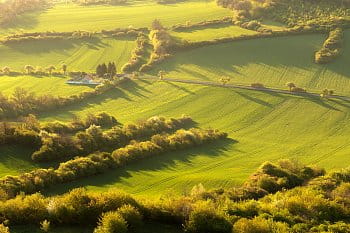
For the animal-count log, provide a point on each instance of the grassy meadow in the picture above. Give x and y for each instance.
(264, 126)
(271, 61)
(71, 17)
(81, 55)
(210, 33)
(55, 86)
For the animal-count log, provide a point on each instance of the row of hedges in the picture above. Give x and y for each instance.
(137, 55)
(331, 48)
(22, 102)
(308, 208)
(163, 44)
(202, 24)
(98, 163)
(93, 139)
(43, 36)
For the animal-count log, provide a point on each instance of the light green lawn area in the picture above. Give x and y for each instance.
(81, 55)
(266, 127)
(211, 33)
(15, 160)
(73, 17)
(55, 86)
(272, 62)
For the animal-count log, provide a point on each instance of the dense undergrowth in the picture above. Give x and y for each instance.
(316, 202)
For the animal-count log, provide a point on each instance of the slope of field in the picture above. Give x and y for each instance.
(82, 55)
(213, 32)
(39, 85)
(272, 61)
(72, 17)
(15, 160)
(266, 126)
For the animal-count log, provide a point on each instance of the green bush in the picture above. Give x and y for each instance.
(131, 215)
(111, 222)
(207, 220)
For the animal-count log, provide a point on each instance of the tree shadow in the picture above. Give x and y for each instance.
(253, 99)
(156, 163)
(180, 88)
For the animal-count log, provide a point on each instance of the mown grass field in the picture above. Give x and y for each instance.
(52, 85)
(80, 55)
(71, 17)
(210, 33)
(266, 127)
(272, 62)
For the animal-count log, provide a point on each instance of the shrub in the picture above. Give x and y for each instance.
(111, 222)
(207, 220)
(259, 225)
(131, 215)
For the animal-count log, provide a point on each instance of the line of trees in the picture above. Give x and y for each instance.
(99, 162)
(137, 55)
(103, 70)
(331, 48)
(60, 146)
(320, 203)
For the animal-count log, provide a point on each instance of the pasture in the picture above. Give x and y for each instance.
(272, 62)
(78, 55)
(266, 127)
(72, 17)
(55, 86)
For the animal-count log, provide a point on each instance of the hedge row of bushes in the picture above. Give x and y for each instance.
(125, 31)
(331, 48)
(163, 44)
(308, 208)
(98, 163)
(137, 55)
(202, 24)
(93, 139)
(22, 102)
(41, 36)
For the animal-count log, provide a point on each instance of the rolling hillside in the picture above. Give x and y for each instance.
(266, 127)
(71, 17)
(81, 55)
(272, 62)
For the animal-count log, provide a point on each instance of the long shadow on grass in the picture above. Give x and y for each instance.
(157, 163)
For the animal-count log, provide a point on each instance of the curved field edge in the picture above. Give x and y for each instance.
(266, 126)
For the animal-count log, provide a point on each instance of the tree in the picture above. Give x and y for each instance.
(157, 25)
(50, 69)
(161, 74)
(104, 69)
(225, 80)
(111, 69)
(290, 85)
(64, 68)
(6, 70)
(29, 68)
(326, 93)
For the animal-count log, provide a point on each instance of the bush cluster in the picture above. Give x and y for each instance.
(100, 162)
(331, 48)
(137, 54)
(59, 146)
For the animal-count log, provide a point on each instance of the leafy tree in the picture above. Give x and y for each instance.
(64, 68)
(50, 69)
(290, 85)
(29, 69)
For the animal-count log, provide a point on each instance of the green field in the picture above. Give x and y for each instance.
(266, 127)
(73, 17)
(211, 33)
(272, 61)
(39, 85)
(81, 55)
